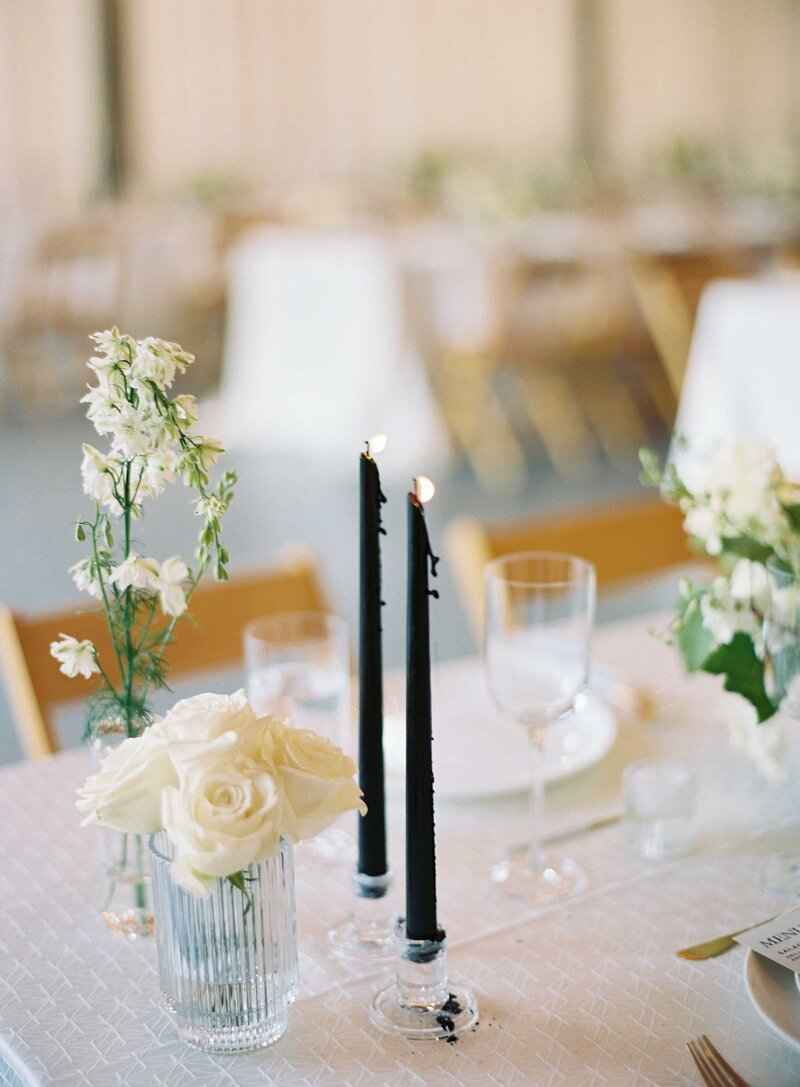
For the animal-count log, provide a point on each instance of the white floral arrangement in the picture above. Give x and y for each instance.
(742, 511)
(226, 786)
(151, 443)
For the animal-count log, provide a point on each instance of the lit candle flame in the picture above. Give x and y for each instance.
(424, 489)
(376, 444)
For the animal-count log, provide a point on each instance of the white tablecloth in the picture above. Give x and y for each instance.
(588, 992)
(743, 374)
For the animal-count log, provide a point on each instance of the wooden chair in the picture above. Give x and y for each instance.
(211, 637)
(625, 540)
(667, 289)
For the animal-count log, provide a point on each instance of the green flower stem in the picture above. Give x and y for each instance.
(129, 650)
(106, 605)
(139, 893)
(166, 636)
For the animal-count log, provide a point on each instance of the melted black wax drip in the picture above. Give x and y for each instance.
(434, 563)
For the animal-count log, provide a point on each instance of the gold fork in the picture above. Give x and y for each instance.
(713, 1067)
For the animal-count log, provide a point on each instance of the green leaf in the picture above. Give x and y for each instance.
(694, 640)
(238, 881)
(743, 671)
(80, 533)
(793, 514)
(747, 548)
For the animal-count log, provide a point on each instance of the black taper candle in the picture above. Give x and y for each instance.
(421, 922)
(372, 826)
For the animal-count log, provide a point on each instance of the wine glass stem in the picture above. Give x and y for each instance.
(536, 738)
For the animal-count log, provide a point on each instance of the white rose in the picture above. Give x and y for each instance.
(125, 794)
(196, 726)
(75, 658)
(225, 814)
(317, 779)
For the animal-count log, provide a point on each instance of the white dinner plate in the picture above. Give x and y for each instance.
(477, 752)
(774, 993)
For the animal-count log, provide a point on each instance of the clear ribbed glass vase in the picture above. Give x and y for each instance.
(228, 966)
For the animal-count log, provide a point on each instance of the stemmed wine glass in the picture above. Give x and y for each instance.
(539, 615)
(781, 872)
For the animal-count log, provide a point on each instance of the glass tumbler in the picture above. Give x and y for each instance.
(298, 668)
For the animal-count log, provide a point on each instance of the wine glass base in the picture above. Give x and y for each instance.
(781, 873)
(347, 941)
(516, 877)
(457, 1014)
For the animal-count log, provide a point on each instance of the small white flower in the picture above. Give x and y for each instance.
(75, 658)
(157, 469)
(134, 432)
(724, 616)
(186, 409)
(111, 343)
(99, 475)
(765, 744)
(86, 579)
(158, 361)
(209, 507)
(105, 404)
(136, 572)
(168, 585)
(750, 584)
(703, 523)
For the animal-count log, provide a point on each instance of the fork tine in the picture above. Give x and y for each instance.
(735, 1079)
(710, 1075)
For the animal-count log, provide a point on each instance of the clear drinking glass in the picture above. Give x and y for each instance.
(660, 803)
(539, 616)
(781, 872)
(226, 961)
(298, 668)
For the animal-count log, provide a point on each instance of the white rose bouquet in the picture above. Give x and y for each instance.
(745, 513)
(224, 784)
(151, 442)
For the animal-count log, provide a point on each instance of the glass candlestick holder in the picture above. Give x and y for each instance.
(370, 933)
(424, 1002)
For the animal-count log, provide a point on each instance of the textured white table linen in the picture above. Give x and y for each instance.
(588, 992)
(743, 374)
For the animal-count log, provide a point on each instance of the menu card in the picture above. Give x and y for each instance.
(778, 940)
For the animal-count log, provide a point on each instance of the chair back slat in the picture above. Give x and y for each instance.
(625, 540)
